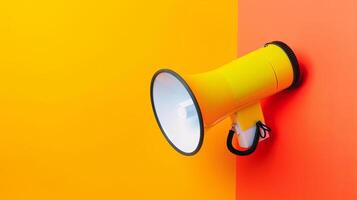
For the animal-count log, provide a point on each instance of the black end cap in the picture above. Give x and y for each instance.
(293, 60)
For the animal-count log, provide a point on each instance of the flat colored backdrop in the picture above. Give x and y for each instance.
(75, 113)
(313, 150)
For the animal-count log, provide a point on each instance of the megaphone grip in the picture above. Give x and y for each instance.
(252, 148)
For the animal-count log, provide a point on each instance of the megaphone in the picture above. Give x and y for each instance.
(186, 105)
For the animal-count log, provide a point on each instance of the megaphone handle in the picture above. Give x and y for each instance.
(252, 148)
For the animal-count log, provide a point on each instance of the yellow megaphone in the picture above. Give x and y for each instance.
(184, 106)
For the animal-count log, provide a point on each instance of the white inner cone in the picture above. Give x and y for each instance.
(176, 112)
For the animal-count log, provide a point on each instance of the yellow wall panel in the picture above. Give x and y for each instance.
(75, 114)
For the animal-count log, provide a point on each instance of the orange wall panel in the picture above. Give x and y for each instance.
(75, 114)
(312, 153)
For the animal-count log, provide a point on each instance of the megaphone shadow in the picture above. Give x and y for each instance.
(273, 106)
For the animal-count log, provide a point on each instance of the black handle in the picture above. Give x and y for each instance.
(252, 148)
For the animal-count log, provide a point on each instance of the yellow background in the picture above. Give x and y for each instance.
(75, 113)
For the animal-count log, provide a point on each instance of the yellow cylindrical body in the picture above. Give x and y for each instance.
(241, 82)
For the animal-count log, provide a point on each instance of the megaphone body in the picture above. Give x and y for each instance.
(187, 105)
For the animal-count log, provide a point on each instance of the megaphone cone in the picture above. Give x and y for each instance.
(185, 105)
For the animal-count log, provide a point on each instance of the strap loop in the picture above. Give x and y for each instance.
(263, 127)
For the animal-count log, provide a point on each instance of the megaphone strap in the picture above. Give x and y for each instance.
(263, 127)
(261, 131)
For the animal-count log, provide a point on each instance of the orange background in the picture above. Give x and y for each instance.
(75, 114)
(76, 120)
(312, 151)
